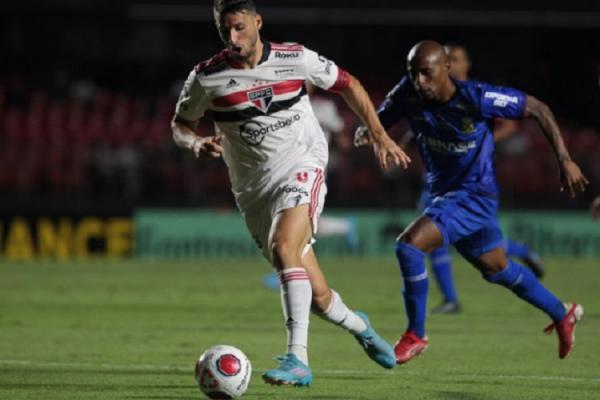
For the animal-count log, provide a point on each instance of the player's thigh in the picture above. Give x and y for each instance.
(259, 221)
(296, 205)
(423, 234)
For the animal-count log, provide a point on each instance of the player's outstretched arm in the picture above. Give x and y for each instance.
(387, 151)
(185, 137)
(571, 176)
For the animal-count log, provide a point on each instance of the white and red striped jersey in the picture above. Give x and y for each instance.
(263, 113)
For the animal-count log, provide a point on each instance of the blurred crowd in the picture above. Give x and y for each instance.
(91, 143)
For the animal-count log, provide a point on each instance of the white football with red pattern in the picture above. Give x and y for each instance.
(223, 372)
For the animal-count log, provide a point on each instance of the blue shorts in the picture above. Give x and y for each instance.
(425, 199)
(468, 221)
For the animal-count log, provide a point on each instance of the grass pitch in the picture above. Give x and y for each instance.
(133, 330)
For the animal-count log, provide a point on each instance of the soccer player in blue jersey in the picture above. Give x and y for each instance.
(452, 121)
(441, 262)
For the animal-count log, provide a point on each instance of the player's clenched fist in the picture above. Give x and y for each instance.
(208, 147)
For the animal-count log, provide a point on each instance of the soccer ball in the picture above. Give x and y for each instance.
(223, 372)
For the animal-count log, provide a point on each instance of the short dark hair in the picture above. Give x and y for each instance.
(222, 7)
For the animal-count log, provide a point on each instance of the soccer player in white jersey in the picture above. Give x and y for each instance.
(275, 152)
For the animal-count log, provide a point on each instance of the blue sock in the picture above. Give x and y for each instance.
(525, 285)
(441, 264)
(516, 249)
(416, 285)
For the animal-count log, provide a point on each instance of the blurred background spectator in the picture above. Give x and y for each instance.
(87, 91)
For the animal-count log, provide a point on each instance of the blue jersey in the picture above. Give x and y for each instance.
(455, 139)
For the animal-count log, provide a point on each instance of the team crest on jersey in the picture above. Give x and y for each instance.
(261, 98)
(467, 126)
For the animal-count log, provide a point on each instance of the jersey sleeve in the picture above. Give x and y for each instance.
(193, 100)
(392, 109)
(502, 102)
(325, 73)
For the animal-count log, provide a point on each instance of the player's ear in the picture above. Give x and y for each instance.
(259, 21)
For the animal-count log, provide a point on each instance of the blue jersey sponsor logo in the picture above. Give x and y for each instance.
(441, 146)
(501, 99)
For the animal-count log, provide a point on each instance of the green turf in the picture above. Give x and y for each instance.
(132, 330)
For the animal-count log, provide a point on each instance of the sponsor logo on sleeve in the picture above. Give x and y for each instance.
(501, 99)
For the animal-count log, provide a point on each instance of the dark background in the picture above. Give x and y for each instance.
(87, 89)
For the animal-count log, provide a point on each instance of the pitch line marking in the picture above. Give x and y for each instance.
(178, 368)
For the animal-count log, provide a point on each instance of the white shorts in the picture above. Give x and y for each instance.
(303, 185)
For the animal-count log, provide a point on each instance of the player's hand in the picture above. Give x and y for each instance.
(572, 178)
(361, 137)
(208, 147)
(390, 154)
(596, 208)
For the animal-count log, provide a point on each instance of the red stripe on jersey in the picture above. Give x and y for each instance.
(214, 60)
(236, 98)
(314, 194)
(286, 47)
(342, 81)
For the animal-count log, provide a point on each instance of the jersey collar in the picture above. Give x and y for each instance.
(266, 52)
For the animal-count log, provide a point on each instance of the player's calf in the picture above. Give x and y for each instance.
(523, 283)
(416, 285)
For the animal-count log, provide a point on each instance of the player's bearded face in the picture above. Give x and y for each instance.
(240, 31)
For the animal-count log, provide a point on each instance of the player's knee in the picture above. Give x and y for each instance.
(406, 237)
(488, 268)
(493, 268)
(284, 252)
(409, 257)
(508, 275)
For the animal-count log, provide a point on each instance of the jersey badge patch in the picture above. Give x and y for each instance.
(468, 126)
(261, 98)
